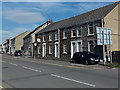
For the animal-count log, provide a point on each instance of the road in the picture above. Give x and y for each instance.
(18, 73)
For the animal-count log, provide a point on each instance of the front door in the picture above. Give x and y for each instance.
(56, 51)
(76, 46)
(44, 50)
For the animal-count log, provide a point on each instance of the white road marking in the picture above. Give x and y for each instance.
(73, 80)
(13, 64)
(24, 67)
(31, 69)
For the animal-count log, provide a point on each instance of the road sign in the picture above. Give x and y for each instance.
(103, 36)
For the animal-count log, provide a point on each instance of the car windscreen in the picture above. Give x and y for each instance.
(18, 52)
(91, 55)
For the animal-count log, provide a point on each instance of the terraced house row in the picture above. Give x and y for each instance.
(63, 38)
(60, 40)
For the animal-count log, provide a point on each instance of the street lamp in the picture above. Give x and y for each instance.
(35, 44)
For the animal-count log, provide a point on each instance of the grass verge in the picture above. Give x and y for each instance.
(113, 65)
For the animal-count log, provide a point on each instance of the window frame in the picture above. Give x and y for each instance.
(38, 50)
(50, 49)
(65, 30)
(43, 37)
(78, 31)
(89, 45)
(56, 35)
(64, 48)
(73, 28)
(50, 36)
(89, 29)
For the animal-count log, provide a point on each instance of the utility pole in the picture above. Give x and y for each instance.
(103, 48)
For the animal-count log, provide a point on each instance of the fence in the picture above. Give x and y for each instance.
(116, 56)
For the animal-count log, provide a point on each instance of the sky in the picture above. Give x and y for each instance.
(18, 17)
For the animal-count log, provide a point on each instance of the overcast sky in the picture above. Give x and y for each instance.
(18, 17)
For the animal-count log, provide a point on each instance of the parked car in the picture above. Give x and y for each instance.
(18, 53)
(2, 52)
(85, 57)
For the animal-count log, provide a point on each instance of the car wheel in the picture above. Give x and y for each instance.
(86, 62)
(72, 61)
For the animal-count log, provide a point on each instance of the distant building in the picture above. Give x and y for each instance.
(29, 40)
(16, 43)
(2, 47)
(63, 38)
(5, 46)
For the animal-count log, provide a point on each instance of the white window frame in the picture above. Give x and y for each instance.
(44, 50)
(50, 36)
(64, 47)
(89, 45)
(56, 32)
(78, 31)
(65, 30)
(89, 29)
(73, 28)
(39, 50)
(43, 37)
(57, 43)
(50, 49)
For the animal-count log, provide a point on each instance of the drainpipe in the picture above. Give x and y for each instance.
(32, 49)
(59, 43)
(104, 61)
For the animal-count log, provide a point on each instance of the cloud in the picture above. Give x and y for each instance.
(23, 17)
(5, 34)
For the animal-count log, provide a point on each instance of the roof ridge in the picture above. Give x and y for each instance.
(89, 16)
(89, 11)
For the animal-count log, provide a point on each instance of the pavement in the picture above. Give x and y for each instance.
(57, 62)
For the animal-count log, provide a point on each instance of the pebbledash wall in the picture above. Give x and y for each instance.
(63, 38)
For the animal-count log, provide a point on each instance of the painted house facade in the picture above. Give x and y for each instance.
(5, 46)
(63, 38)
(16, 43)
(29, 39)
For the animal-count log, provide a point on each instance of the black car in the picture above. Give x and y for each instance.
(2, 52)
(85, 57)
(18, 53)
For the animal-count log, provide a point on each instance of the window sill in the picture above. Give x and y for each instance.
(50, 40)
(43, 42)
(79, 36)
(73, 36)
(50, 53)
(64, 52)
(65, 38)
(90, 34)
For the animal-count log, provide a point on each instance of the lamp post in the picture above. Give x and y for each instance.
(35, 44)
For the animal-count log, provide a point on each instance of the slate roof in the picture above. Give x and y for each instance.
(90, 16)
